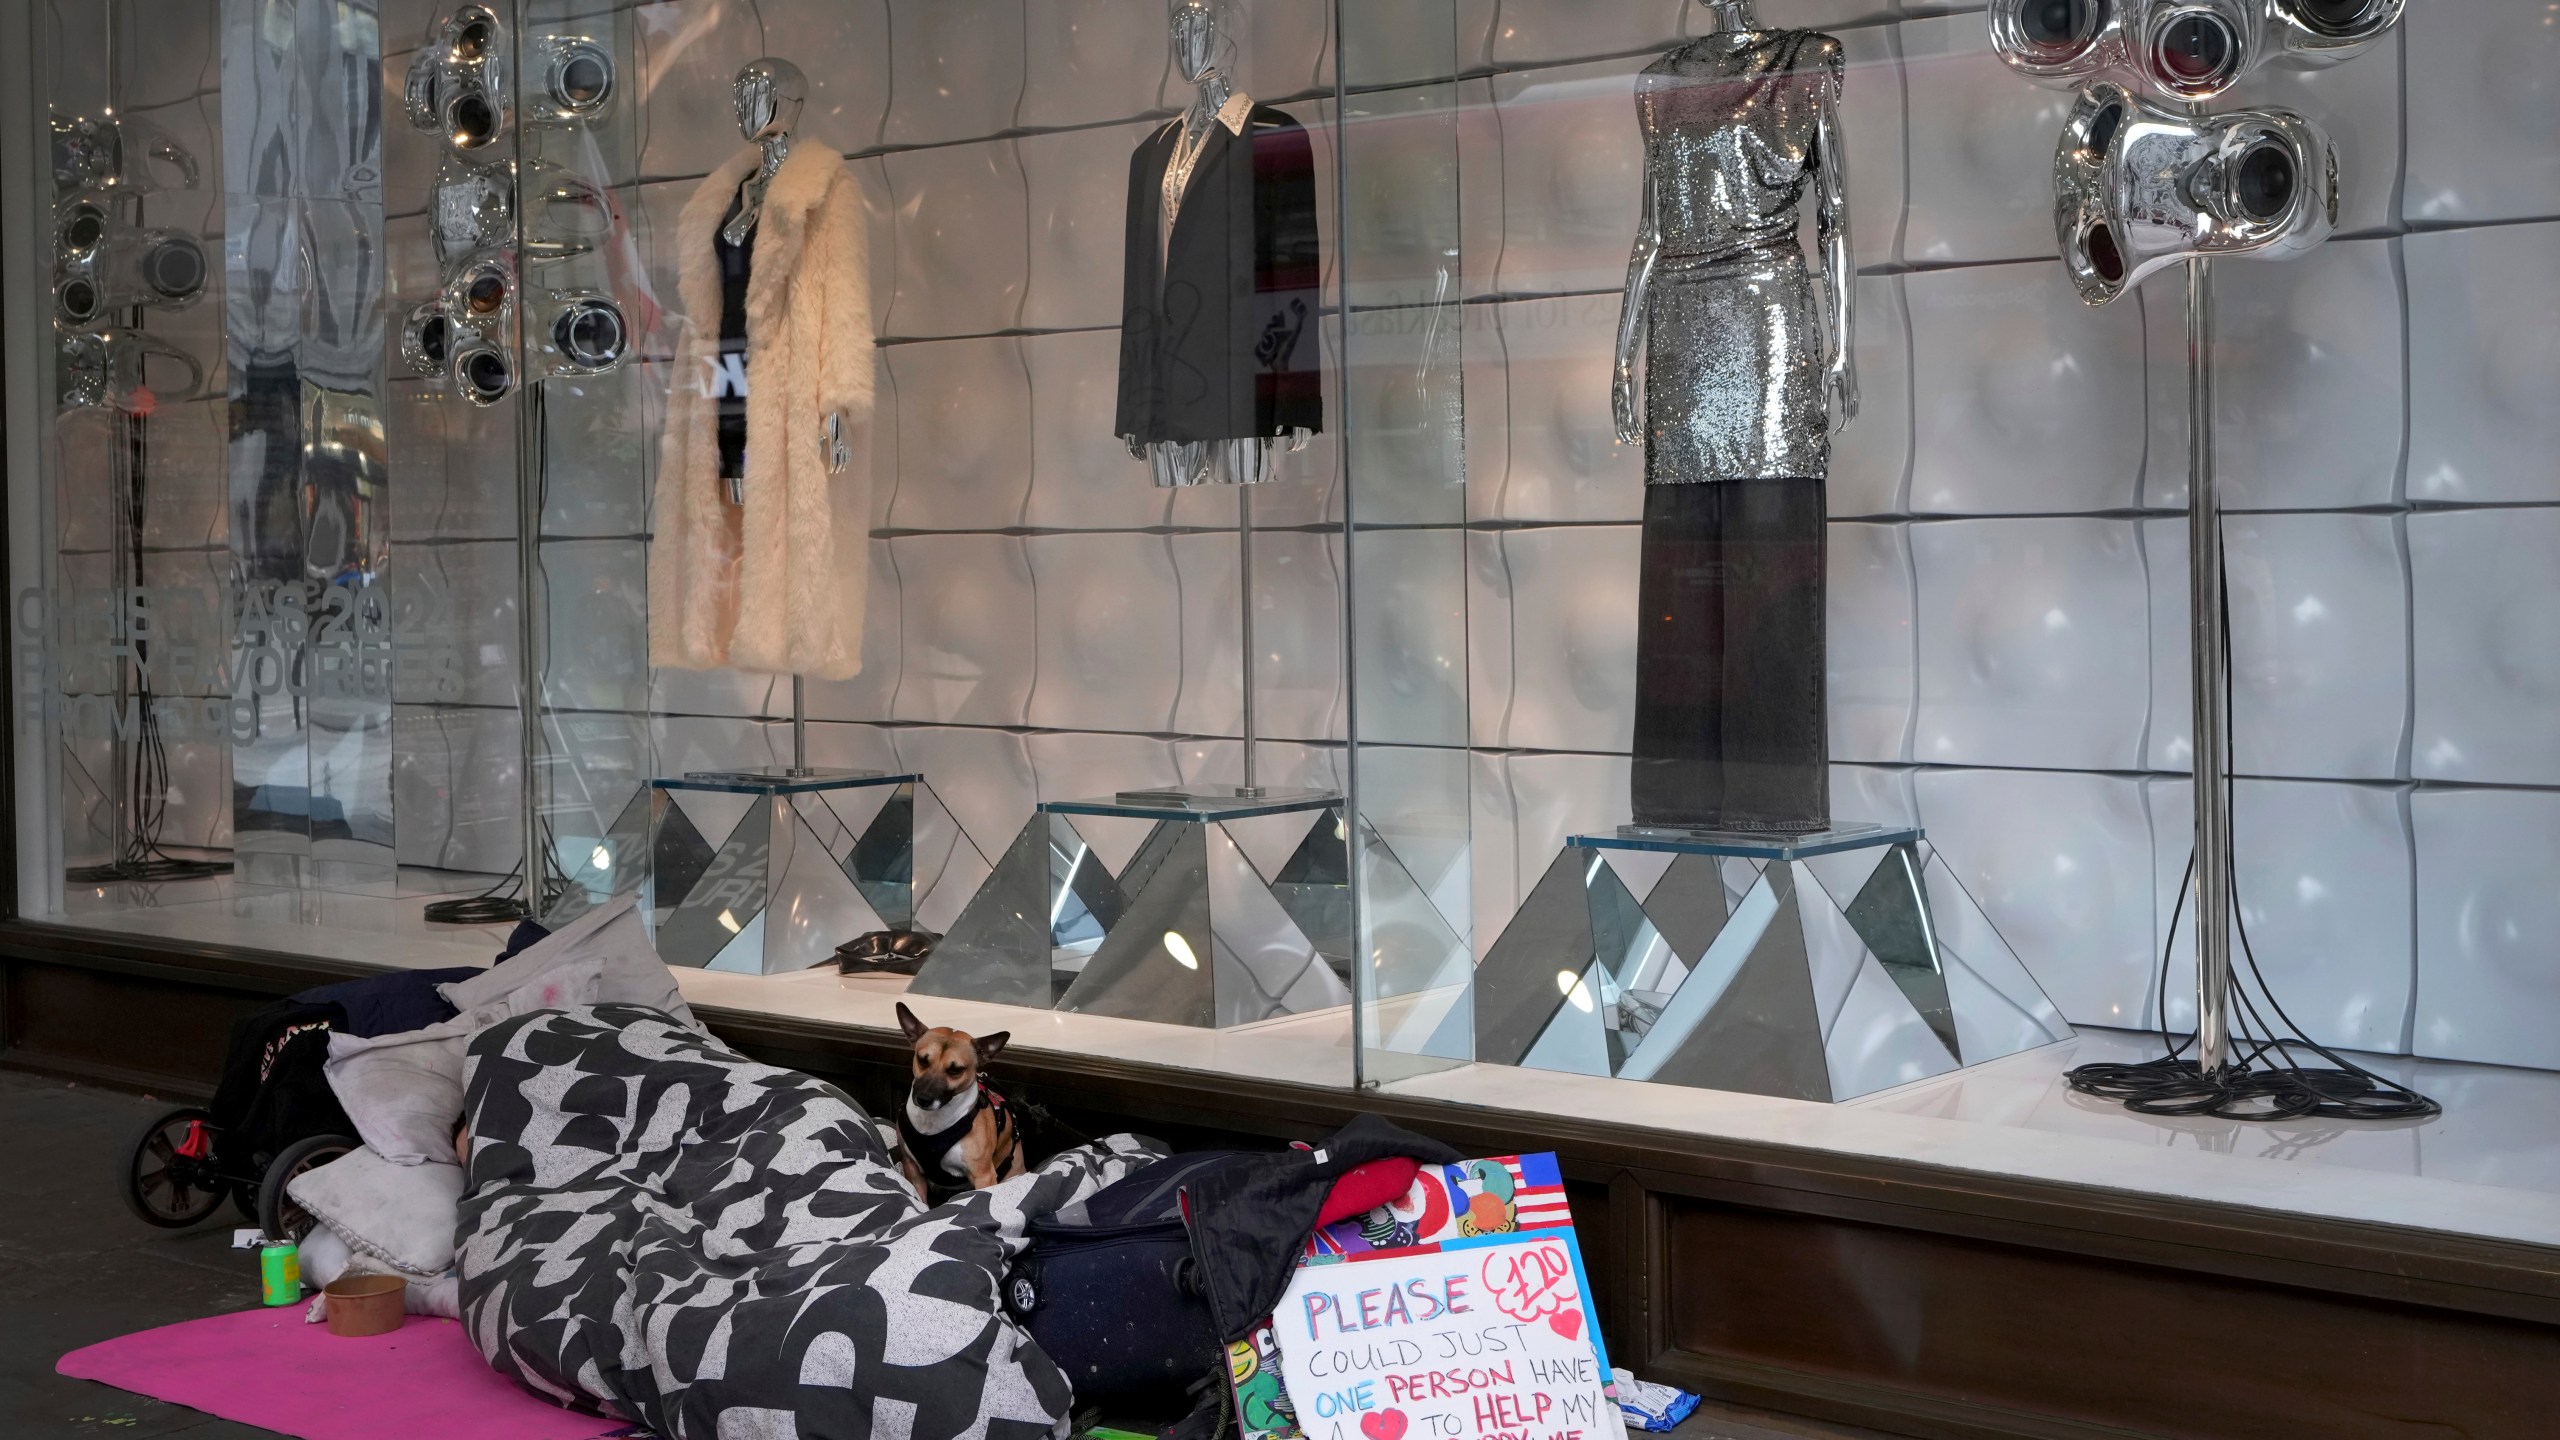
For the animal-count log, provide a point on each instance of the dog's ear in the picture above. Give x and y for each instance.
(990, 1046)
(908, 1022)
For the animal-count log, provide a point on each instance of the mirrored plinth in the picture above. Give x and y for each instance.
(1757, 845)
(1190, 909)
(763, 774)
(768, 874)
(1816, 967)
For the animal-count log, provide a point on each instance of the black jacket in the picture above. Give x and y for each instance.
(1219, 341)
(1250, 1215)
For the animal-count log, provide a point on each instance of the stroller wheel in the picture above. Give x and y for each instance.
(278, 1214)
(167, 1177)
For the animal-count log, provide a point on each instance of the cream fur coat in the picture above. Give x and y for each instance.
(777, 584)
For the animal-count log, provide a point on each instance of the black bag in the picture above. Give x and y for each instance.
(1109, 1291)
(274, 1091)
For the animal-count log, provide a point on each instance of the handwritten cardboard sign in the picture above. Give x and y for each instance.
(1480, 1338)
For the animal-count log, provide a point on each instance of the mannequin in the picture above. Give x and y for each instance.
(769, 95)
(1218, 358)
(1219, 353)
(761, 554)
(1748, 372)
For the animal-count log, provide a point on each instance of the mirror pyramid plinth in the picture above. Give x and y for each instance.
(764, 875)
(1197, 910)
(1815, 967)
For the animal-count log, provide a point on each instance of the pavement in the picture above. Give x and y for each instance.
(80, 1269)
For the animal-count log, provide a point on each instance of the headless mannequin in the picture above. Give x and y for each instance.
(1750, 367)
(1199, 45)
(1737, 25)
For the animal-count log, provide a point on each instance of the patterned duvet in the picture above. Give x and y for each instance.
(662, 1230)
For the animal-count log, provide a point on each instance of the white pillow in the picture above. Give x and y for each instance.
(401, 1215)
(404, 1092)
(610, 934)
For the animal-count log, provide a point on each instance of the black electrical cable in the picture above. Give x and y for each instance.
(2262, 1079)
(489, 907)
(140, 858)
(499, 904)
(504, 901)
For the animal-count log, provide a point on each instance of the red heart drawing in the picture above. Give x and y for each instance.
(1567, 1323)
(1383, 1425)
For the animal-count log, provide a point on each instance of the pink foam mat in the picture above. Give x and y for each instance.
(268, 1368)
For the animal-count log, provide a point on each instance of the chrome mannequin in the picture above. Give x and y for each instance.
(1202, 33)
(1736, 25)
(2182, 49)
(2139, 187)
(1203, 48)
(1750, 367)
(769, 95)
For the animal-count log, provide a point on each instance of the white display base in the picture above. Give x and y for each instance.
(2488, 1167)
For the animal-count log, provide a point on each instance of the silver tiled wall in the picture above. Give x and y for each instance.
(2008, 562)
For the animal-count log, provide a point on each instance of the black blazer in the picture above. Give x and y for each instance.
(1218, 341)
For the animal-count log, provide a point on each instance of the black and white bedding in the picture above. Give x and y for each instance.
(658, 1228)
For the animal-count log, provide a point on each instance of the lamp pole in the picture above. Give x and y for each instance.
(2211, 679)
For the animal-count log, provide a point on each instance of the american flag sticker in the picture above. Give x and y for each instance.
(1539, 1200)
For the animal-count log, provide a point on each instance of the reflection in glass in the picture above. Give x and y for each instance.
(309, 475)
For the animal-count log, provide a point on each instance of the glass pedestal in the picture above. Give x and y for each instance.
(768, 874)
(1188, 909)
(1817, 967)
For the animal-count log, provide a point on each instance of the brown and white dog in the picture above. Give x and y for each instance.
(955, 1132)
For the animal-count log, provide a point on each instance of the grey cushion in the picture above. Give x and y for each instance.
(401, 1215)
(632, 973)
(404, 1092)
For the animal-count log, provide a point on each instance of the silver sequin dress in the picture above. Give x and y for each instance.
(1734, 366)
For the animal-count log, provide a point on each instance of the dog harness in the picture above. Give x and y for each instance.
(929, 1151)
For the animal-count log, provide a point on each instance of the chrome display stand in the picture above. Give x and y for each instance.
(1205, 912)
(764, 875)
(1224, 912)
(1821, 966)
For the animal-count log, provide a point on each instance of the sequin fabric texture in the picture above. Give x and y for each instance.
(1734, 363)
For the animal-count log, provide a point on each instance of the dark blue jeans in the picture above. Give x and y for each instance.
(1731, 724)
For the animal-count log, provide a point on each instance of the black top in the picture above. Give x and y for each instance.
(729, 366)
(1218, 337)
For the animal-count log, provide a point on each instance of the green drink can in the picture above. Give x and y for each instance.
(280, 1268)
